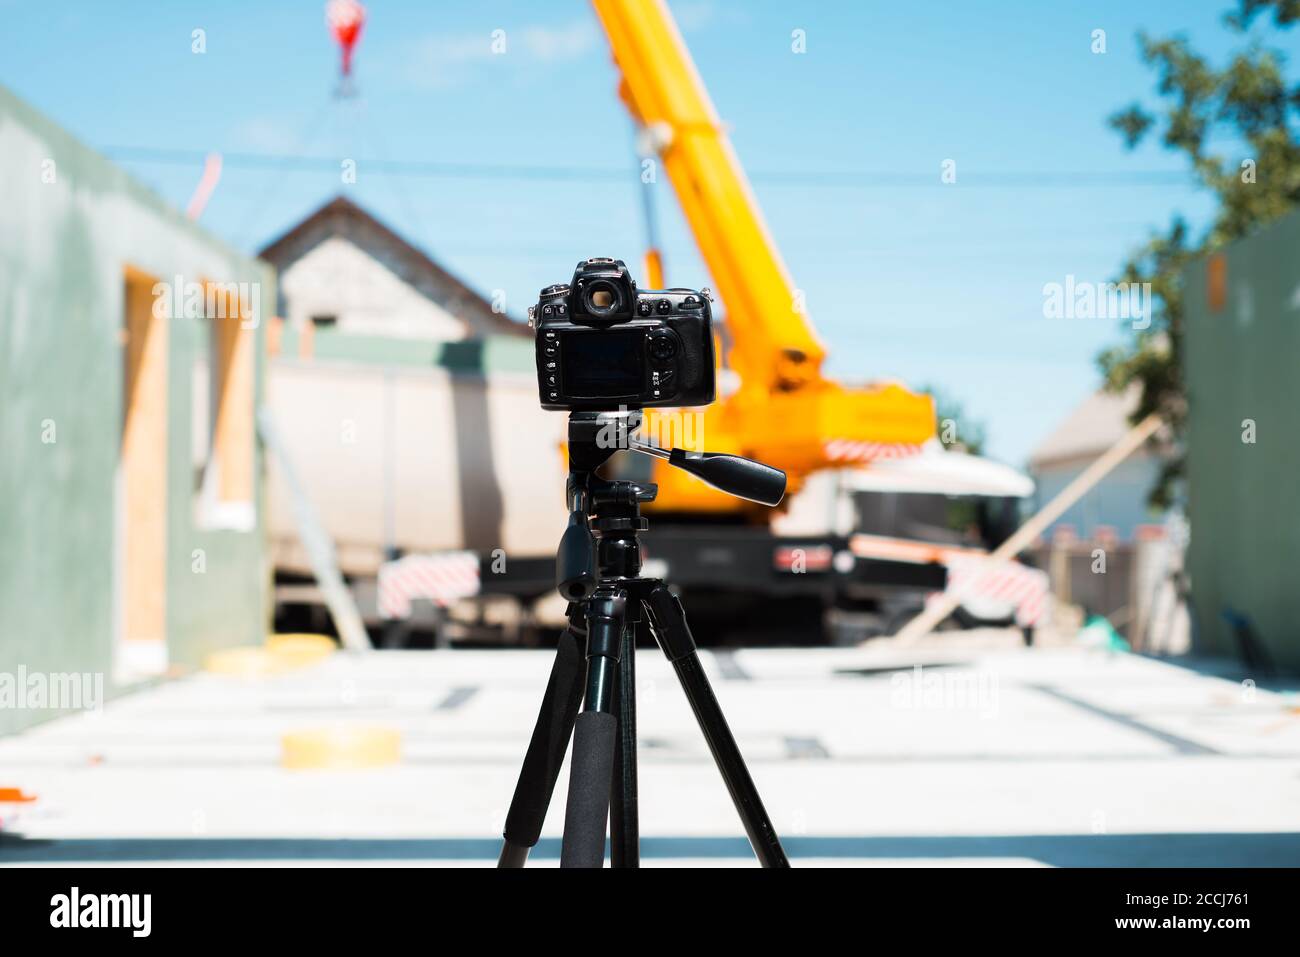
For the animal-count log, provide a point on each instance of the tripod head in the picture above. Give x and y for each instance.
(605, 515)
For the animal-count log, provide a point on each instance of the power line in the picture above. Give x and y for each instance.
(841, 179)
(258, 209)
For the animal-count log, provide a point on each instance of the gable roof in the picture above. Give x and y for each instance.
(343, 218)
(1092, 427)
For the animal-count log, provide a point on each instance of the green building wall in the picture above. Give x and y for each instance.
(70, 224)
(1242, 364)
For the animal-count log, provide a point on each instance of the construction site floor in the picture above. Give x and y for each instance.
(991, 754)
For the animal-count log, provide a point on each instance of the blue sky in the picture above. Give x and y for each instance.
(904, 277)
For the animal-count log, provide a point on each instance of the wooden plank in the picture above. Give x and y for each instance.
(941, 608)
(317, 543)
(144, 470)
(232, 438)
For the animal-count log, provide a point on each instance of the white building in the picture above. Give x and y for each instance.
(408, 406)
(1119, 501)
(341, 268)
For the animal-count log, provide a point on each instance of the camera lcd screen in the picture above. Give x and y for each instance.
(603, 364)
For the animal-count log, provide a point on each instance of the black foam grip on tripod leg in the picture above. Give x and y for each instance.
(549, 742)
(587, 813)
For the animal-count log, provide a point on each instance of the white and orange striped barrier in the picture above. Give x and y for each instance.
(440, 578)
(973, 579)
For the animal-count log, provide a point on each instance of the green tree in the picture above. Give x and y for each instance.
(1235, 127)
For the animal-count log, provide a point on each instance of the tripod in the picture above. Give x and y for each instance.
(598, 569)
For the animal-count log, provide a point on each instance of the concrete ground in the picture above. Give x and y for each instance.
(989, 754)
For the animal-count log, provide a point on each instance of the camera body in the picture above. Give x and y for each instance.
(602, 344)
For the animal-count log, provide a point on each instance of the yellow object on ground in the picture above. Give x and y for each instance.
(245, 662)
(300, 647)
(281, 653)
(340, 748)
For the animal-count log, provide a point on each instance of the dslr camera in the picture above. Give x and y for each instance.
(602, 344)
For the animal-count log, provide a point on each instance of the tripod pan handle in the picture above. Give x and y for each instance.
(733, 474)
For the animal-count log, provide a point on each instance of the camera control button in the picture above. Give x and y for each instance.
(663, 347)
(561, 309)
(548, 310)
(663, 306)
(643, 308)
(690, 302)
(551, 350)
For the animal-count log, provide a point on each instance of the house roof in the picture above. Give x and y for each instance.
(1091, 428)
(343, 218)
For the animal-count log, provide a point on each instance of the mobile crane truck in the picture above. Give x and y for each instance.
(783, 411)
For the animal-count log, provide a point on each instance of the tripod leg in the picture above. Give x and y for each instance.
(546, 749)
(624, 831)
(674, 636)
(594, 734)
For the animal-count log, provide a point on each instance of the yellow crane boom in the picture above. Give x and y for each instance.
(784, 411)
